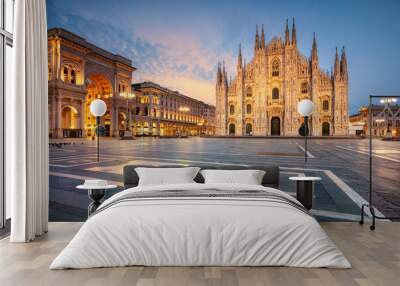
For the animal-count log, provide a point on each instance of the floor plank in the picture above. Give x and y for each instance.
(375, 257)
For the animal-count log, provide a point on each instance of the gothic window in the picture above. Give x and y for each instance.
(249, 92)
(248, 108)
(65, 74)
(304, 87)
(73, 77)
(276, 66)
(325, 105)
(119, 87)
(146, 111)
(231, 109)
(275, 93)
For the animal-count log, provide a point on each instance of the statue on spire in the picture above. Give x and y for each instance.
(257, 41)
(343, 65)
(336, 71)
(294, 38)
(219, 73)
(287, 36)
(239, 64)
(314, 51)
(262, 37)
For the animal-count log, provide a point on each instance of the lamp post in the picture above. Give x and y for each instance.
(305, 108)
(98, 107)
(128, 133)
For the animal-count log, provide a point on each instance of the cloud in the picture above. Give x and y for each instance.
(178, 60)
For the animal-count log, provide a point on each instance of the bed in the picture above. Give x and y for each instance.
(199, 224)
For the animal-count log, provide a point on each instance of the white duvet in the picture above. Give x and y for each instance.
(206, 231)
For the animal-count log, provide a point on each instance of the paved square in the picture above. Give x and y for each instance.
(342, 164)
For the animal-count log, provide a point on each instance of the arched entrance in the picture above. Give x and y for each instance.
(249, 129)
(69, 118)
(232, 129)
(70, 122)
(275, 126)
(97, 86)
(325, 129)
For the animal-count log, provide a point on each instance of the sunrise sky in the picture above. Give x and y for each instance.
(178, 43)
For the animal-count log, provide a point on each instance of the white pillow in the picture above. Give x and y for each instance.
(166, 176)
(248, 177)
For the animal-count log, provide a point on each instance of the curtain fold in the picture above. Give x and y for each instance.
(28, 124)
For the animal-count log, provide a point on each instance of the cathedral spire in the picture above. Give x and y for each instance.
(343, 65)
(294, 38)
(257, 41)
(314, 51)
(336, 71)
(287, 36)
(224, 75)
(262, 37)
(219, 74)
(239, 64)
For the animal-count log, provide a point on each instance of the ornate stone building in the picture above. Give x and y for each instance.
(163, 112)
(262, 99)
(80, 72)
(385, 120)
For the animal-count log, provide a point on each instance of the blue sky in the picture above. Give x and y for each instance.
(178, 43)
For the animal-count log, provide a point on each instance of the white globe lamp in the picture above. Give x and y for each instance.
(305, 108)
(98, 108)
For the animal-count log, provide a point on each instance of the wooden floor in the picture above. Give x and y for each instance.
(375, 257)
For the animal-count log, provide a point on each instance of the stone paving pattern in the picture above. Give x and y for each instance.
(347, 159)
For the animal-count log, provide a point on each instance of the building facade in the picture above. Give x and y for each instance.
(79, 72)
(385, 121)
(160, 111)
(262, 99)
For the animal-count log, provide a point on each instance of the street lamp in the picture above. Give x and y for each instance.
(305, 108)
(98, 107)
(127, 133)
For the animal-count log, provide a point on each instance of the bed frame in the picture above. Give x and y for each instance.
(270, 179)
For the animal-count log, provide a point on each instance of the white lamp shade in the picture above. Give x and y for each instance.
(305, 107)
(98, 107)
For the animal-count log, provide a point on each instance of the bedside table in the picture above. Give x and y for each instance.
(305, 190)
(96, 194)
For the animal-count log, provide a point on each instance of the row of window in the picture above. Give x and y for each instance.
(325, 107)
(145, 111)
(275, 91)
(232, 109)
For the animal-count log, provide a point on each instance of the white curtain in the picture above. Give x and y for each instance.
(27, 124)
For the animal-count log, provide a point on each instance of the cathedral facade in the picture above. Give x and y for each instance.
(262, 99)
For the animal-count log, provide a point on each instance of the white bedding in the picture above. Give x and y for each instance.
(200, 231)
